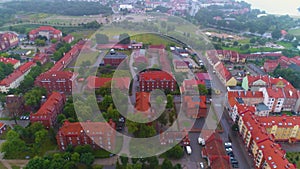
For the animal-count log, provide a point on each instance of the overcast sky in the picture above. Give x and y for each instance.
(277, 6)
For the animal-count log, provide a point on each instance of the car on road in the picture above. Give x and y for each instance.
(201, 165)
(188, 150)
(201, 141)
(228, 149)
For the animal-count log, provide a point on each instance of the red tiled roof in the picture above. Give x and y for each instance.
(54, 75)
(70, 129)
(9, 60)
(118, 82)
(203, 76)
(45, 28)
(142, 101)
(194, 102)
(97, 82)
(274, 155)
(281, 121)
(275, 93)
(153, 75)
(245, 94)
(48, 107)
(68, 38)
(17, 73)
(218, 162)
(223, 71)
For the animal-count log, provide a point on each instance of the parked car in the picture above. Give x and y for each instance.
(201, 141)
(201, 165)
(188, 150)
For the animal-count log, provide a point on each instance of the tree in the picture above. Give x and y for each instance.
(252, 40)
(202, 89)
(87, 158)
(124, 38)
(166, 164)
(75, 157)
(61, 118)
(36, 162)
(176, 152)
(235, 43)
(153, 161)
(101, 39)
(276, 34)
(40, 136)
(13, 144)
(83, 149)
(124, 159)
(33, 97)
(170, 102)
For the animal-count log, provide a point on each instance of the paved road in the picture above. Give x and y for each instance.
(245, 162)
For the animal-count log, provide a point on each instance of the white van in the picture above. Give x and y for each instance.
(188, 150)
(201, 141)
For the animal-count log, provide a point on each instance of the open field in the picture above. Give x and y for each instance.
(295, 32)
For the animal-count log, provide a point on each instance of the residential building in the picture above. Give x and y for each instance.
(97, 134)
(16, 63)
(204, 77)
(214, 152)
(60, 81)
(224, 75)
(180, 66)
(68, 57)
(290, 99)
(190, 86)
(45, 31)
(270, 65)
(114, 58)
(8, 40)
(121, 83)
(195, 106)
(15, 105)
(151, 80)
(3, 128)
(48, 112)
(42, 58)
(172, 137)
(273, 98)
(68, 39)
(13, 80)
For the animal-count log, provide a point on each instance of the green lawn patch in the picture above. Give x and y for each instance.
(295, 32)
(294, 157)
(2, 166)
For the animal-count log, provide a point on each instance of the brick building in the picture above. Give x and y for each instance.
(114, 58)
(16, 63)
(96, 134)
(43, 58)
(195, 106)
(151, 80)
(8, 40)
(15, 105)
(13, 80)
(61, 81)
(49, 110)
(46, 31)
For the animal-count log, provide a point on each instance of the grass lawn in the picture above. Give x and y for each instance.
(285, 44)
(294, 157)
(87, 56)
(2, 166)
(295, 32)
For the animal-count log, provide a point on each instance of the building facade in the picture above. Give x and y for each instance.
(60, 81)
(45, 31)
(96, 134)
(8, 40)
(49, 110)
(151, 80)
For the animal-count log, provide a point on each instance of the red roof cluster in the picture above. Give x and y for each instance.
(49, 110)
(68, 39)
(215, 153)
(9, 60)
(118, 82)
(45, 29)
(67, 58)
(17, 73)
(155, 75)
(226, 75)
